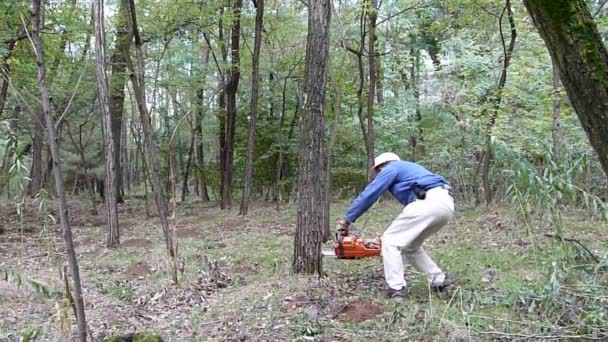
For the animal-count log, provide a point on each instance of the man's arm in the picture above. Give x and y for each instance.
(370, 195)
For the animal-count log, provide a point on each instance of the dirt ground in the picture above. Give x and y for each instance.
(235, 282)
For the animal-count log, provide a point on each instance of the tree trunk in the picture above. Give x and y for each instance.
(379, 81)
(367, 138)
(255, 89)
(52, 139)
(200, 156)
(231, 90)
(5, 72)
(575, 45)
(496, 99)
(137, 81)
(371, 92)
(117, 93)
(186, 172)
(311, 179)
(222, 105)
(37, 169)
(280, 143)
(83, 164)
(113, 237)
(418, 134)
(124, 158)
(555, 115)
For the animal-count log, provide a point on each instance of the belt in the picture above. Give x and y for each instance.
(421, 193)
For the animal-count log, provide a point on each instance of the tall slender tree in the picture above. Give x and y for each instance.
(117, 94)
(495, 99)
(231, 88)
(255, 90)
(201, 179)
(371, 92)
(37, 24)
(113, 231)
(137, 81)
(311, 179)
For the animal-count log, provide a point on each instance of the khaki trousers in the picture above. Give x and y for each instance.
(418, 220)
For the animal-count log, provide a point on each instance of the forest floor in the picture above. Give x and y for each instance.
(235, 282)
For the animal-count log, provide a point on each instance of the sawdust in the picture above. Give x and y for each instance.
(359, 311)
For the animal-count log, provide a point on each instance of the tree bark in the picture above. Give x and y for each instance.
(555, 114)
(367, 137)
(311, 179)
(113, 231)
(37, 169)
(52, 140)
(117, 93)
(371, 92)
(137, 81)
(232, 85)
(186, 172)
(5, 71)
(418, 134)
(255, 90)
(200, 154)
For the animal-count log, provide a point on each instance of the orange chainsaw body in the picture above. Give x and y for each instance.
(354, 247)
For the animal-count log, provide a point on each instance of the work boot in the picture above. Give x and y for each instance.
(446, 285)
(395, 294)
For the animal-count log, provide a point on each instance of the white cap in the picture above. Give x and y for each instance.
(384, 158)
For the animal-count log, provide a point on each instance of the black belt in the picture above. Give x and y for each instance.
(421, 192)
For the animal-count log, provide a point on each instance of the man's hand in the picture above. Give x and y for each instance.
(343, 226)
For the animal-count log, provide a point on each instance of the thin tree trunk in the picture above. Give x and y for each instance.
(200, 156)
(186, 172)
(255, 87)
(37, 168)
(311, 179)
(330, 151)
(222, 105)
(369, 148)
(52, 139)
(113, 236)
(418, 134)
(117, 93)
(83, 164)
(231, 90)
(124, 159)
(371, 93)
(279, 165)
(497, 98)
(555, 115)
(5, 70)
(380, 81)
(137, 81)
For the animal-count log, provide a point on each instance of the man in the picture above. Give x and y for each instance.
(428, 207)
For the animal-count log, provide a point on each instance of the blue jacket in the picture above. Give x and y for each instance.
(400, 178)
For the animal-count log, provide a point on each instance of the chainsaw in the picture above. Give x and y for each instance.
(353, 246)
